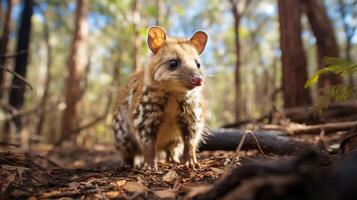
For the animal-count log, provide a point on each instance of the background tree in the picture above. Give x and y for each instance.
(17, 91)
(348, 12)
(292, 55)
(4, 42)
(238, 7)
(76, 67)
(137, 40)
(325, 39)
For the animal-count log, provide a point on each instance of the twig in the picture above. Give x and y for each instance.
(17, 76)
(241, 145)
(13, 55)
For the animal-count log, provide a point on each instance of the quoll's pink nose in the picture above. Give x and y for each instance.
(196, 80)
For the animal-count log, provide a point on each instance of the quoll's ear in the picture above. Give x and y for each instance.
(199, 41)
(156, 37)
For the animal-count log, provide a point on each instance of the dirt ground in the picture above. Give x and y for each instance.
(97, 173)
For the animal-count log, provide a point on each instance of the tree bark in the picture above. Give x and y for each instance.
(16, 99)
(137, 40)
(325, 39)
(237, 81)
(349, 30)
(159, 17)
(44, 98)
(76, 67)
(4, 44)
(292, 55)
(269, 141)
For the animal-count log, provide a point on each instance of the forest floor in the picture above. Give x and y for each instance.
(81, 173)
(97, 173)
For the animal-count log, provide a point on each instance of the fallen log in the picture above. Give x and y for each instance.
(311, 129)
(288, 179)
(270, 141)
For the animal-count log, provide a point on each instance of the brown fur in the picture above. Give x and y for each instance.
(160, 110)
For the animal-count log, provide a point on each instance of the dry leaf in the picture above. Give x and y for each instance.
(112, 194)
(217, 170)
(120, 183)
(166, 194)
(139, 179)
(135, 187)
(9, 178)
(74, 185)
(170, 176)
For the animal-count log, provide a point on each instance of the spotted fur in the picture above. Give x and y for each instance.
(160, 110)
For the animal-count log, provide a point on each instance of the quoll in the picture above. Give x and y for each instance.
(161, 109)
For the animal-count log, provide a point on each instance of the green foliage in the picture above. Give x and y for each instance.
(334, 65)
(336, 93)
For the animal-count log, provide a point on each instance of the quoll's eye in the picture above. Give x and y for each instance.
(173, 64)
(198, 64)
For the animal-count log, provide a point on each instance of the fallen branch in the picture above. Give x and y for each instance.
(312, 129)
(9, 144)
(269, 141)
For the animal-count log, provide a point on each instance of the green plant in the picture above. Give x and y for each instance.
(336, 93)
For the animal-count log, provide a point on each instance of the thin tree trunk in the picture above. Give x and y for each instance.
(76, 68)
(292, 55)
(4, 44)
(325, 38)
(349, 31)
(16, 99)
(236, 19)
(159, 17)
(45, 95)
(137, 40)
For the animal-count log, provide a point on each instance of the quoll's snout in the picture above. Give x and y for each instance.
(196, 80)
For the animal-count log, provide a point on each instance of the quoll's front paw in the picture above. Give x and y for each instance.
(150, 165)
(191, 162)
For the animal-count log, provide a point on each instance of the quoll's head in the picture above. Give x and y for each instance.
(175, 64)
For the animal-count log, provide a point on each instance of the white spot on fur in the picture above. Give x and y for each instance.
(138, 120)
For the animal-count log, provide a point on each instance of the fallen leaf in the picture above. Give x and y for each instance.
(170, 176)
(218, 171)
(120, 183)
(135, 187)
(139, 179)
(166, 194)
(112, 194)
(9, 178)
(74, 185)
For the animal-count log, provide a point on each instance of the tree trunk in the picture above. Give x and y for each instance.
(159, 17)
(17, 92)
(4, 44)
(76, 67)
(236, 19)
(325, 38)
(45, 95)
(348, 29)
(292, 55)
(137, 40)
